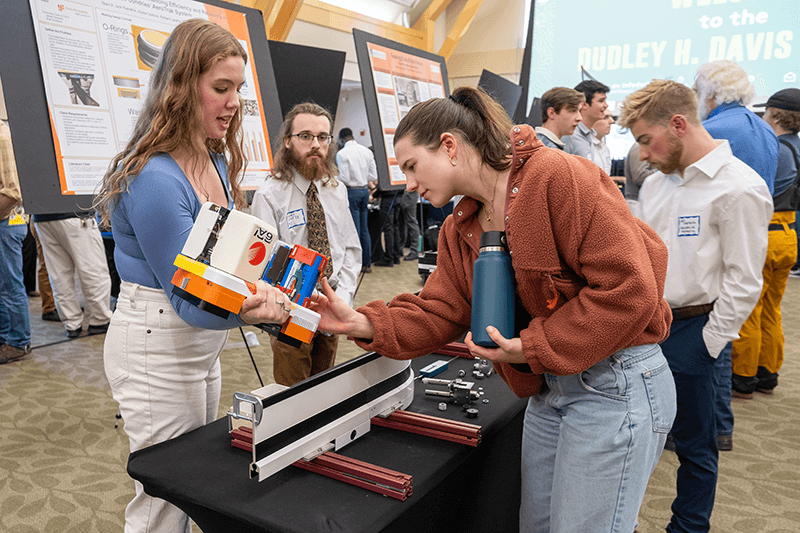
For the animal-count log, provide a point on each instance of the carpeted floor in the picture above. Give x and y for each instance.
(62, 461)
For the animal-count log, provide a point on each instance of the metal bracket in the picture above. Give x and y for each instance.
(258, 409)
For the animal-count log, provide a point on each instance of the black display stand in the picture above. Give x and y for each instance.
(506, 93)
(455, 487)
(29, 120)
(306, 74)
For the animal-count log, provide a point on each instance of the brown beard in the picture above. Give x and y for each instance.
(673, 158)
(311, 169)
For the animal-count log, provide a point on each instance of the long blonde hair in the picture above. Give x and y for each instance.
(171, 115)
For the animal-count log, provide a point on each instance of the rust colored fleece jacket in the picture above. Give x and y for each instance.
(589, 273)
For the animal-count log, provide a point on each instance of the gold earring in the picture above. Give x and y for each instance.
(453, 160)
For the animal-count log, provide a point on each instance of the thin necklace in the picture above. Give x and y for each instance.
(488, 211)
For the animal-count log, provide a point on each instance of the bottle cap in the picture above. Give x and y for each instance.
(493, 238)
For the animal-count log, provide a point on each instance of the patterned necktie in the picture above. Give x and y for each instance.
(317, 229)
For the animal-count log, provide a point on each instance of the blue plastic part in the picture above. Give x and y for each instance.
(434, 368)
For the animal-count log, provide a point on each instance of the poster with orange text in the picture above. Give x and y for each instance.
(96, 58)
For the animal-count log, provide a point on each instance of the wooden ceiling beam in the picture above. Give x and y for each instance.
(460, 28)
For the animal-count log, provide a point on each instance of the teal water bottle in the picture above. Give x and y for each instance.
(493, 292)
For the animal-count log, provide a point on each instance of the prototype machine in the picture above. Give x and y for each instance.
(228, 251)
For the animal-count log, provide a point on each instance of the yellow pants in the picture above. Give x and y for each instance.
(760, 341)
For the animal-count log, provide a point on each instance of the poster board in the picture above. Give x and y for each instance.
(83, 70)
(394, 77)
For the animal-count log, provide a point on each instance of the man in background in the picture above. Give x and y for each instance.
(309, 207)
(593, 109)
(712, 212)
(15, 325)
(357, 171)
(602, 153)
(561, 114)
(723, 90)
(72, 245)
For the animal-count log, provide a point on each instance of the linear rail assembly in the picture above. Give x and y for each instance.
(324, 412)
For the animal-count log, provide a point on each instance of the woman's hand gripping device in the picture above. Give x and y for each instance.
(227, 251)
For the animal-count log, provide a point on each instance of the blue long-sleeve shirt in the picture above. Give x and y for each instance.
(150, 225)
(752, 140)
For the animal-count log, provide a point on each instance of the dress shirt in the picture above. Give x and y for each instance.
(549, 138)
(714, 222)
(356, 165)
(752, 140)
(9, 184)
(580, 142)
(282, 204)
(601, 154)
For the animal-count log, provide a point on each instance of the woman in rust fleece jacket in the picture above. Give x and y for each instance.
(591, 276)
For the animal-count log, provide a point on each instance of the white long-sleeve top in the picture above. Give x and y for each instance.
(282, 204)
(715, 223)
(356, 165)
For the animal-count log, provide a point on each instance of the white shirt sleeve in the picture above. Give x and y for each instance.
(744, 250)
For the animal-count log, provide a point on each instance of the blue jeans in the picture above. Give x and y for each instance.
(695, 430)
(722, 382)
(591, 441)
(15, 320)
(359, 202)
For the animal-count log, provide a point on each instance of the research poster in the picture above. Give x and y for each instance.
(402, 80)
(96, 58)
(627, 43)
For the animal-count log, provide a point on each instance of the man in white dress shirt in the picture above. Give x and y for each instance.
(602, 152)
(712, 211)
(358, 172)
(304, 159)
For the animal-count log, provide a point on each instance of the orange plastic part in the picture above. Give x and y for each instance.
(297, 332)
(209, 292)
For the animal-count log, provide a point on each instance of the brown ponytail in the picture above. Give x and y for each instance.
(469, 113)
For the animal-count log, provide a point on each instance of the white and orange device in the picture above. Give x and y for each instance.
(224, 255)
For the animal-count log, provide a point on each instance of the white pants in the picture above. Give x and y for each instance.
(75, 245)
(166, 377)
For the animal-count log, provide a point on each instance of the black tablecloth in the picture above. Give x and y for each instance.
(454, 486)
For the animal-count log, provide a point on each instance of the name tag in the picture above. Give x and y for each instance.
(295, 218)
(689, 226)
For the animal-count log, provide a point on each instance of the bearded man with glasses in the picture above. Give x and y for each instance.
(307, 204)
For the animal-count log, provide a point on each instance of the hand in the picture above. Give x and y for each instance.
(508, 351)
(268, 304)
(337, 316)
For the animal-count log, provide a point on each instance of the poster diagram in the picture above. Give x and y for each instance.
(402, 80)
(96, 58)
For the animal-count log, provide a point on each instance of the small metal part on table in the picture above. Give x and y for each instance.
(442, 406)
(472, 413)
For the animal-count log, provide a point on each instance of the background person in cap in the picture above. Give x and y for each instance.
(759, 349)
(784, 113)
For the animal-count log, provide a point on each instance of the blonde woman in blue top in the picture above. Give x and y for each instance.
(161, 353)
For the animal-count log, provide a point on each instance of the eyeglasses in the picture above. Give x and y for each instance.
(307, 137)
